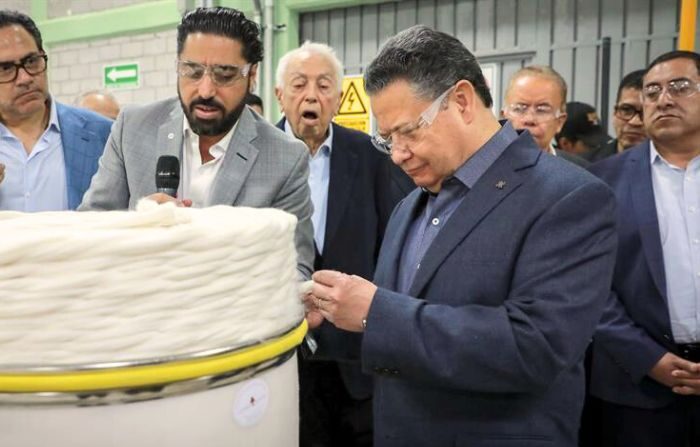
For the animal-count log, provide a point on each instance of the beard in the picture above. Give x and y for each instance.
(211, 127)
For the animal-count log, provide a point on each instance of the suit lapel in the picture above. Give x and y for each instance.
(237, 163)
(169, 137)
(477, 204)
(642, 192)
(73, 137)
(394, 239)
(341, 184)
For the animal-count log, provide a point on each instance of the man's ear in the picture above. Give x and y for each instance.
(253, 77)
(278, 94)
(466, 99)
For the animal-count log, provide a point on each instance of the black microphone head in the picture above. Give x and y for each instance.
(168, 173)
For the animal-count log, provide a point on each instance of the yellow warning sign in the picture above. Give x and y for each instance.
(354, 111)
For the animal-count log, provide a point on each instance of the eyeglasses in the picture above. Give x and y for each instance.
(407, 132)
(33, 64)
(221, 75)
(541, 112)
(678, 88)
(626, 112)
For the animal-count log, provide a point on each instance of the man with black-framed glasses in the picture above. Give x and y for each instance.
(628, 117)
(646, 350)
(48, 150)
(229, 154)
(482, 303)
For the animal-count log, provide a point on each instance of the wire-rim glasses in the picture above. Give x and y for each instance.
(384, 145)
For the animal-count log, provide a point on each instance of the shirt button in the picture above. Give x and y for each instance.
(26, 194)
(691, 209)
(418, 266)
(436, 221)
(696, 241)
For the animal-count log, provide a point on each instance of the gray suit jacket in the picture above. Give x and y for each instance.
(263, 167)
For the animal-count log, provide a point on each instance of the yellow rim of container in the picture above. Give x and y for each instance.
(136, 376)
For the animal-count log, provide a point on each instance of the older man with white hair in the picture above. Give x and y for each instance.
(353, 190)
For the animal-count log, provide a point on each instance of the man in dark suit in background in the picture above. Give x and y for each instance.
(582, 134)
(534, 101)
(647, 347)
(353, 189)
(483, 305)
(628, 119)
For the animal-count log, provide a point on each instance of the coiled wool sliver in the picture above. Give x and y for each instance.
(93, 287)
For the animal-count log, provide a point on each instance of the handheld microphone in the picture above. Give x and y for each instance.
(168, 175)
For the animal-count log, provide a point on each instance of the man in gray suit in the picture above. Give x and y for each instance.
(229, 154)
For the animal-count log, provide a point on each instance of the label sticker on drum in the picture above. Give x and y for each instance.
(251, 402)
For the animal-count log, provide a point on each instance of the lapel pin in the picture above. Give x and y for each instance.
(501, 184)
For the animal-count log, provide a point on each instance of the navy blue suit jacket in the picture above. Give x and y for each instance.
(635, 331)
(486, 349)
(363, 189)
(83, 137)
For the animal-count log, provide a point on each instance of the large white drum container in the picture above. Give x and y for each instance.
(246, 397)
(164, 327)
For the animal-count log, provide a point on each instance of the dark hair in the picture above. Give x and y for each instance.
(8, 18)
(253, 100)
(226, 22)
(429, 60)
(633, 80)
(676, 54)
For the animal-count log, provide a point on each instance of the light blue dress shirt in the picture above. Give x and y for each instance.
(35, 181)
(677, 198)
(319, 179)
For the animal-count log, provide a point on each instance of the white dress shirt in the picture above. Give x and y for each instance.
(197, 178)
(677, 199)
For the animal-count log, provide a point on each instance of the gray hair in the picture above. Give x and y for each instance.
(429, 60)
(541, 71)
(320, 49)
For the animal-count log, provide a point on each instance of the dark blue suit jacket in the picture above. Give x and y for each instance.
(363, 189)
(486, 349)
(635, 330)
(83, 136)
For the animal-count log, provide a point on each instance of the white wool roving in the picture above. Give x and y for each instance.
(162, 281)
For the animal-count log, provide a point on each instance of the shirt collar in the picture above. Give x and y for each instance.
(52, 124)
(327, 145)
(470, 172)
(53, 115)
(222, 144)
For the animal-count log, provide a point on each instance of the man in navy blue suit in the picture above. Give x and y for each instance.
(49, 150)
(483, 301)
(645, 368)
(354, 188)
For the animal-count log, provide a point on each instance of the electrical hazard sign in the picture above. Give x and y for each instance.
(354, 111)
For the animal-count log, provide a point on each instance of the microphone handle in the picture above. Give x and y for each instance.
(172, 192)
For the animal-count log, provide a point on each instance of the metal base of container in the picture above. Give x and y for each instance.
(260, 411)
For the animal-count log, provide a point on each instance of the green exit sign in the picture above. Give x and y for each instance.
(121, 75)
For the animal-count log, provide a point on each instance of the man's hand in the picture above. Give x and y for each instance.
(161, 198)
(682, 376)
(2, 172)
(342, 299)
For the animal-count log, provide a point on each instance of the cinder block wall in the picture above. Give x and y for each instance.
(79, 67)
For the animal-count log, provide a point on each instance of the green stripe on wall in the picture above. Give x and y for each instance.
(153, 16)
